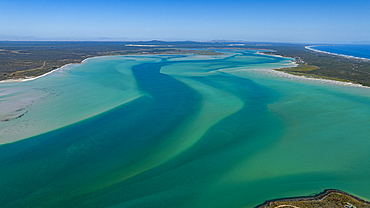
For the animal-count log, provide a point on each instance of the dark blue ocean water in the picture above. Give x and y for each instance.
(359, 51)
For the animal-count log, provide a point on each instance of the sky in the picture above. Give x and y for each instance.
(294, 21)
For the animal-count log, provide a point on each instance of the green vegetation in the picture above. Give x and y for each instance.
(328, 66)
(201, 52)
(22, 59)
(299, 68)
(303, 69)
(330, 198)
(25, 59)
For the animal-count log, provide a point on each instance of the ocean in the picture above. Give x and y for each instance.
(180, 131)
(358, 51)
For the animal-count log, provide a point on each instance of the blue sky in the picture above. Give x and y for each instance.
(306, 21)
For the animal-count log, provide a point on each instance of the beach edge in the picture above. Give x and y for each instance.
(316, 197)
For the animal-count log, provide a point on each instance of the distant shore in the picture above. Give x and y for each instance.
(264, 53)
(335, 54)
(25, 79)
(37, 77)
(328, 80)
(47, 73)
(258, 52)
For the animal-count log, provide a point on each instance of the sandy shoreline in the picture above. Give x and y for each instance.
(280, 56)
(285, 74)
(33, 78)
(351, 84)
(278, 73)
(317, 197)
(335, 54)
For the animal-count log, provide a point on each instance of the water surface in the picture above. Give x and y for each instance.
(181, 131)
(359, 51)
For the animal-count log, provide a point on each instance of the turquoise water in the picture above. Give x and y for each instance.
(180, 131)
(359, 51)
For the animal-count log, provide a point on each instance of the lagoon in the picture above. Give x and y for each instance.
(180, 131)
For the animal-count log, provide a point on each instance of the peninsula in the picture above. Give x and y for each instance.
(329, 198)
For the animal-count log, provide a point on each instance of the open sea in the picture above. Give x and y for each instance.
(180, 131)
(358, 51)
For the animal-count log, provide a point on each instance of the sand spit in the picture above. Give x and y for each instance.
(291, 76)
(33, 78)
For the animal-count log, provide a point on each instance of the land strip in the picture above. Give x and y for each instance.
(31, 59)
(322, 65)
(329, 198)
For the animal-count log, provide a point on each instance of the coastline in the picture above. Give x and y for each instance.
(331, 81)
(237, 186)
(47, 73)
(18, 107)
(33, 78)
(316, 198)
(350, 84)
(335, 54)
(286, 74)
(280, 56)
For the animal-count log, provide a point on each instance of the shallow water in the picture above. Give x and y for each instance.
(182, 131)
